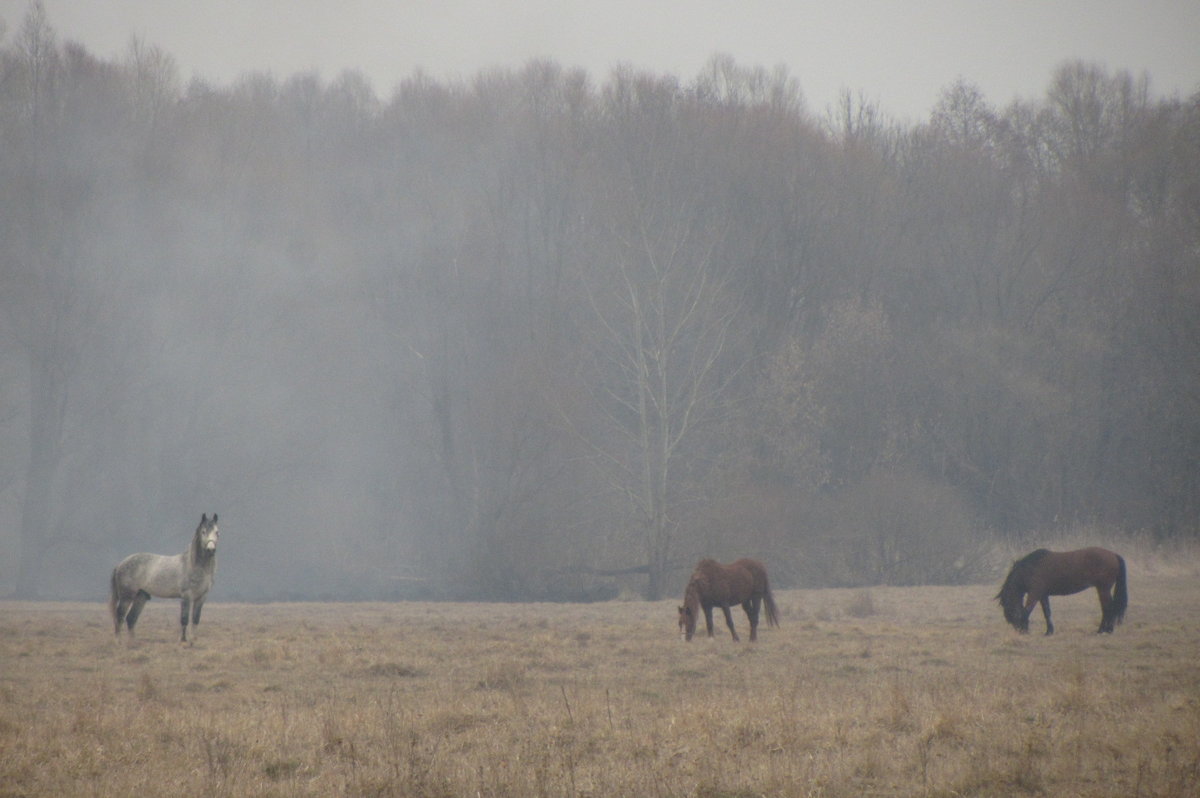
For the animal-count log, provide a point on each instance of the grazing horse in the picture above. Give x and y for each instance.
(1037, 576)
(715, 585)
(186, 576)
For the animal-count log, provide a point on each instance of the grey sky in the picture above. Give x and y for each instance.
(900, 54)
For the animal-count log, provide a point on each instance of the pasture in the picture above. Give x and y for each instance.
(879, 692)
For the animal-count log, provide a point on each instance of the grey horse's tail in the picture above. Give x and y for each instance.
(112, 602)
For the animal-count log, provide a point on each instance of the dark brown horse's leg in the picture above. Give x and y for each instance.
(1026, 611)
(708, 619)
(729, 622)
(1046, 612)
(1106, 621)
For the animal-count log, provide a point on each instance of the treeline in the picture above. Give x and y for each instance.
(494, 337)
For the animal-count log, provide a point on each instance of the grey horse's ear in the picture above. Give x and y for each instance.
(214, 518)
(204, 518)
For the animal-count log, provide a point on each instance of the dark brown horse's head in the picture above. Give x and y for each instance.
(1016, 585)
(1012, 601)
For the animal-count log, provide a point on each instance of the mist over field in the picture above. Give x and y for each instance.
(536, 333)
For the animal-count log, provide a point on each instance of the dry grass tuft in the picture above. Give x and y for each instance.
(393, 670)
(861, 605)
(886, 692)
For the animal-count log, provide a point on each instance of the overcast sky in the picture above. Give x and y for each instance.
(899, 54)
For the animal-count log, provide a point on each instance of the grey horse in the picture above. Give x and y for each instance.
(186, 576)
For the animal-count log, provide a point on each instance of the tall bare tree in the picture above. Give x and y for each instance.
(662, 313)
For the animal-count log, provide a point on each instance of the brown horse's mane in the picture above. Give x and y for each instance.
(703, 580)
(699, 585)
(711, 582)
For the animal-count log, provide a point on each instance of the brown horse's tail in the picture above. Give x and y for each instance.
(1120, 600)
(772, 610)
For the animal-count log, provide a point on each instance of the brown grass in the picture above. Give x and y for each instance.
(923, 693)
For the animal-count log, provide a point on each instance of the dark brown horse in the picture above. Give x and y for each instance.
(1037, 576)
(715, 585)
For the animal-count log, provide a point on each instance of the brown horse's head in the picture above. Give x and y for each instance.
(687, 622)
(690, 607)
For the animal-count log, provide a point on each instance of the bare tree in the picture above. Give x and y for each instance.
(661, 318)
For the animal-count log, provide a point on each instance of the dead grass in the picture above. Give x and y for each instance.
(923, 693)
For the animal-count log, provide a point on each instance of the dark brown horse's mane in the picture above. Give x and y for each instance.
(1032, 558)
(1012, 592)
(1019, 573)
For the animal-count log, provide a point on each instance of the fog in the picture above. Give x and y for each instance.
(539, 333)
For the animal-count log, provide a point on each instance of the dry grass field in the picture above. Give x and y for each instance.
(885, 692)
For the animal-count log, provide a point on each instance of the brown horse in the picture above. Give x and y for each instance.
(1037, 576)
(715, 585)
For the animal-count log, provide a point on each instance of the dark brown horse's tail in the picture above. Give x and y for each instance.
(772, 610)
(1120, 600)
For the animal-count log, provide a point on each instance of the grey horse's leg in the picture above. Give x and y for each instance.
(185, 606)
(120, 611)
(135, 609)
(196, 605)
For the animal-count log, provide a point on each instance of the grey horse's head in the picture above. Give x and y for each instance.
(207, 534)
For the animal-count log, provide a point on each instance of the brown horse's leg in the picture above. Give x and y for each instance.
(751, 608)
(729, 622)
(1046, 612)
(1106, 621)
(708, 619)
